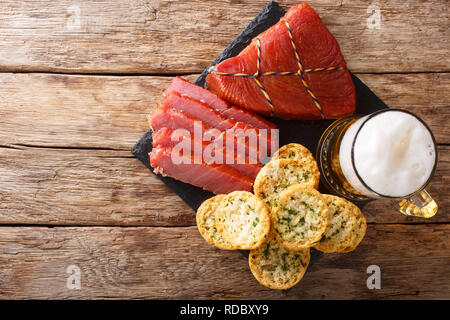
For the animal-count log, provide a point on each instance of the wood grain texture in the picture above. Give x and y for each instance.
(110, 111)
(167, 36)
(65, 141)
(84, 187)
(176, 263)
(76, 111)
(109, 187)
(426, 95)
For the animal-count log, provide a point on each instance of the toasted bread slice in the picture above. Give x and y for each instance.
(243, 220)
(346, 226)
(276, 267)
(206, 223)
(277, 175)
(301, 217)
(294, 151)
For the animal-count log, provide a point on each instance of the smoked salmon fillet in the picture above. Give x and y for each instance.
(188, 89)
(191, 90)
(287, 96)
(211, 117)
(217, 178)
(165, 138)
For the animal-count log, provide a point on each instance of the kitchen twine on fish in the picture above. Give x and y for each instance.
(300, 72)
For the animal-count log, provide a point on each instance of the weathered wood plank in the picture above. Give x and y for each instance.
(77, 111)
(166, 36)
(94, 187)
(110, 112)
(424, 94)
(176, 263)
(84, 187)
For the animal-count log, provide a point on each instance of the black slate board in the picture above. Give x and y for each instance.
(194, 196)
(306, 133)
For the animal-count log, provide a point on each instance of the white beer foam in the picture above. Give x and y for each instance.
(393, 153)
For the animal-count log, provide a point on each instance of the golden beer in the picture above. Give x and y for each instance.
(363, 158)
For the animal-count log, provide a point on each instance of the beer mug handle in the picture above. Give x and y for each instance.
(419, 205)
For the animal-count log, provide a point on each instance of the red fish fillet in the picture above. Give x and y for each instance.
(191, 90)
(214, 177)
(209, 115)
(188, 89)
(317, 48)
(174, 119)
(252, 119)
(163, 138)
(199, 110)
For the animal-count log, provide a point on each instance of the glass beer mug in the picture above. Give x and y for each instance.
(389, 154)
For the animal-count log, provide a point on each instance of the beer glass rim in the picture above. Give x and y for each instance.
(370, 116)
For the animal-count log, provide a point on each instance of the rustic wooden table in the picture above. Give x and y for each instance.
(77, 81)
